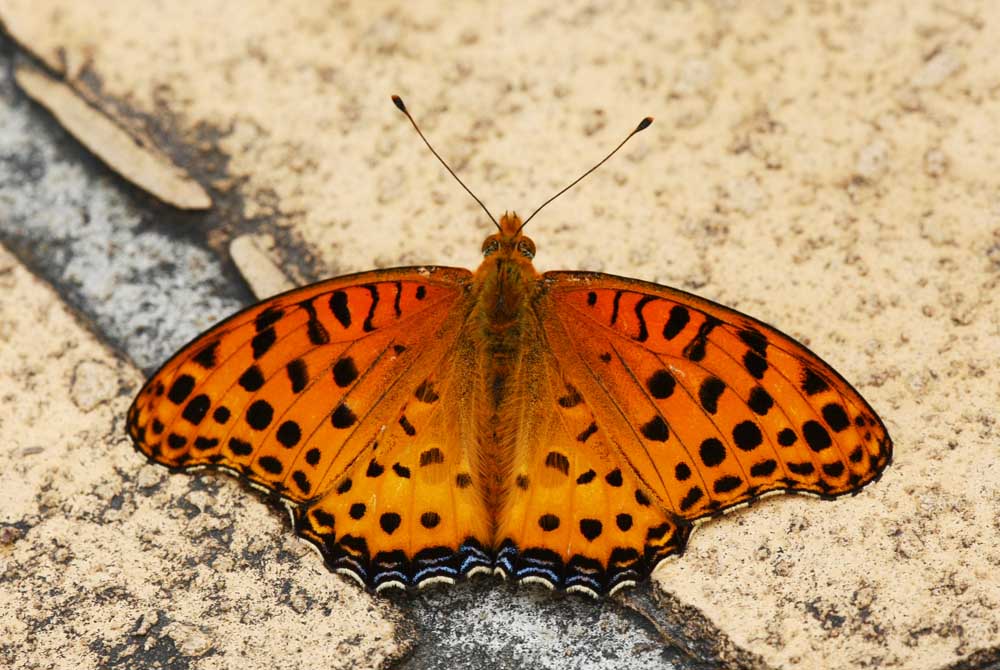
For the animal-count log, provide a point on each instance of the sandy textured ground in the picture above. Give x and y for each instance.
(826, 167)
(90, 572)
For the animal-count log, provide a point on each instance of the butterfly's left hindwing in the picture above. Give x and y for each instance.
(314, 395)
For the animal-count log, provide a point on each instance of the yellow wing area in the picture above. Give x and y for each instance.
(690, 408)
(301, 394)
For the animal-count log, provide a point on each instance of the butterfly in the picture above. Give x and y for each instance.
(568, 428)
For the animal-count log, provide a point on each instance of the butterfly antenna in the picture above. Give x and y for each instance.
(645, 123)
(398, 101)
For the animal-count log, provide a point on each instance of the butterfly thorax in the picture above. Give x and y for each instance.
(504, 286)
(504, 289)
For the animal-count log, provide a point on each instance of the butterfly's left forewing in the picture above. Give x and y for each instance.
(314, 395)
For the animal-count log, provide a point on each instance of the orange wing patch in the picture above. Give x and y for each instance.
(697, 407)
(296, 395)
(741, 406)
(577, 517)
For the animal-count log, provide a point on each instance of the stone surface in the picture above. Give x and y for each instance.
(822, 166)
(142, 165)
(108, 561)
(254, 256)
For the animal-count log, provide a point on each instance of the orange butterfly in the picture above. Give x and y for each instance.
(566, 428)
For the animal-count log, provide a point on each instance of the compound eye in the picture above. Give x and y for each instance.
(526, 248)
(490, 246)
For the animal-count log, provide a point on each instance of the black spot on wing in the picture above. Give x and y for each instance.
(180, 389)
(755, 364)
(676, 322)
(395, 300)
(375, 469)
(614, 307)
(196, 409)
(251, 379)
(343, 417)
(643, 332)
(787, 437)
(317, 331)
(389, 522)
(655, 429)
(747, 435)
(816, 436)
(289, 434)
(407, 426)
(835, 417)
(259, 414)
(754, 339)
(301, 481)
(712, 452)
(271, 465)
(812, 383)
(426, 393)
(548, 522)
(695, 349)
(591, 528)
(204, 443)
(709, 392)
(801, 468)
(760, 401)
(587, 432)
(572, 397)
(373, 292)
(206, 358)
(661, 384)
(340, 309)
(693, 495)
(557, 461)
(432, 456)
(344, 372)
(763, 468)
(268, 318)
(240, 447)
(834, 469)
(298, 374)
(262, 342)
(726, 483)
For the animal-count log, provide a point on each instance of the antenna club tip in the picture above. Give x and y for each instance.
(398, 101)
(645, 123)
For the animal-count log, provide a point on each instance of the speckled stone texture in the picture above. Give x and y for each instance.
(824, 166)
(105, 561)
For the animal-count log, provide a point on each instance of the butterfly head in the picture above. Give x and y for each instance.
(509, 241)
